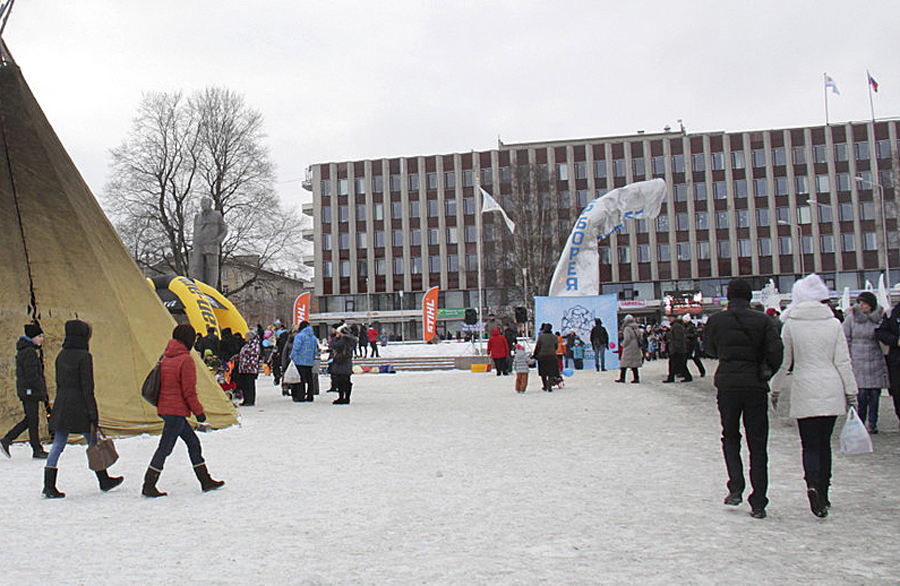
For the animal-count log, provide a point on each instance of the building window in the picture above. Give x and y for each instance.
(700, 191)
(326, 241)
(624, 254)
(360, 185)
(580, 170)
(452, 263)
(379, 238)
(452, 237)
(701, 219)
(641, 226)
(683, 250)
(883, 149)
(433, 239)
(743, 218)
(345, 268)
(449, 180)
(717, 161)
(861, 151)
(658, 165)
(397, 238)
(471, 234)
(343, 187)
(825, 214)
(800, 185)
(743, 246)
(840, 152)
(759, 158)
(843, 181)
(806, 244)
(434, 264)
(619, 167)
(361, 240)
(778, 157)
(662, 253)
(343, 213)
(765, 247)
(762, 217)
(848, 242)
(434, 208)
(380, 266)
(326, 269)
(867, 210)
(450, 204)
(582, 196)
(827, 243)
(678, 163)
(845, 212)
(724, 248)
(740, 188)
(378, 211)
(362, 268)
(799, 154)
(681, 221)
(415, 237)
(819, 154)
(469, 206)
(395, 183)
(430, 181)
(781, 186)
(737, 159)
(562, 172)
(703, 250)
(785, 245)
(361, 213)
(414, 208)
(760, 187)
(680, 190)
(869, 242)
(698, 162)
(414, 181)
(396, 210)
(604, 255)
(565, 199)
(377, 184)
(468, 178)
(643, 252)
(325, 188)
(326, 214)
(415, 265)
(722, 220)
(662, 223)
(783, 215)
(398, 265)
(637, 164)
(600, 169)
(719, 190)
(823, 185)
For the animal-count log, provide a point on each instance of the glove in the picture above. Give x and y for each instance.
(852, 401)
(201, 418)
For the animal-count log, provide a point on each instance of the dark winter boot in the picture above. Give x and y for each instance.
(50, 484)
(816, 504)
(206, 481)
(823, 492)
(107, 482)
(39, 454)
(150, 478)
(621, 378)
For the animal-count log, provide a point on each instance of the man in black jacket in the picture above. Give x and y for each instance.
(676, 346)
(888, 333)
(31, 388)
(599, 342)
(743, 340)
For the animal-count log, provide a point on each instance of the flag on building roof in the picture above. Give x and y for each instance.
(829, 83)
(490, 204)
(872, 82)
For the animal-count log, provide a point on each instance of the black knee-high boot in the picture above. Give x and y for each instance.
(621, 378)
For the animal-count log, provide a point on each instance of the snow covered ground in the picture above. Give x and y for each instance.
(453, 478)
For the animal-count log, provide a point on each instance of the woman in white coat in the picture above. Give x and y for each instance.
(822, 383)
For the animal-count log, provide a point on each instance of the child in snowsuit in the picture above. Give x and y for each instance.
(520, 365)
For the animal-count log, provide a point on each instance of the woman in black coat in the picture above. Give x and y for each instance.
(75, 408)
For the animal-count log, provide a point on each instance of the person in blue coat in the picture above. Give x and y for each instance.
(303, 354)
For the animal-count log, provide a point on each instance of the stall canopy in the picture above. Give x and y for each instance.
(61, 259)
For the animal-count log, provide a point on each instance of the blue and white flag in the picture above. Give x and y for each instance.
(830, 83)
(490, 204)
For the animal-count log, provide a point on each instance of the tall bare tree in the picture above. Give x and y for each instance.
(180, 150)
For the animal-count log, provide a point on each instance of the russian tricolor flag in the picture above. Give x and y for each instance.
(872, 82)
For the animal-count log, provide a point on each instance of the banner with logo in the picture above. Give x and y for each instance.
(430, 313)
(580, 315)
(301, 308)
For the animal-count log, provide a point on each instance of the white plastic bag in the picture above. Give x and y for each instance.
(291, 375)
(854, 437)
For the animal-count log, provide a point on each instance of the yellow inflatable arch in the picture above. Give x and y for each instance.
(194, 302)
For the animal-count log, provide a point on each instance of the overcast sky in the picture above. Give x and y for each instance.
(339, 80)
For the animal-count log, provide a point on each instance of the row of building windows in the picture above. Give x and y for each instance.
(397, 265)
(699, 162)
(743, 248)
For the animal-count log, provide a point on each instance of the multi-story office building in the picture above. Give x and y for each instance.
(760, 204)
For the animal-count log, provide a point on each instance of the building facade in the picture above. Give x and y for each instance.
(759, 204)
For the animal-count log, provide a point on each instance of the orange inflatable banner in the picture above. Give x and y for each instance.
(429, 313)
(301, 308)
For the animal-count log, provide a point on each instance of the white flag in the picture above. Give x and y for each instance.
(490, 204)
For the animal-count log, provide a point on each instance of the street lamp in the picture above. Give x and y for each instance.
(799, 241)
(887, 254)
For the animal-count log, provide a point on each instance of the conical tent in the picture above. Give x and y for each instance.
(61, 259)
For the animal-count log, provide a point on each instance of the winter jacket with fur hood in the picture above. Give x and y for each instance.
(75, 407)
(631, 346)
(869, 367)
(822, 379)
(30, 383)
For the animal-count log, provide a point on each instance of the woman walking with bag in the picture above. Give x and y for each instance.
(177, 400)
(822, 383)
(545, 355)
(869, 366)
(631, 356)
(75, 408)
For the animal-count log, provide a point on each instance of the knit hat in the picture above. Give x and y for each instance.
(739, 289)
(771, 312)
(33, 331)
(810, 288)
(866, 297)
(185, 334)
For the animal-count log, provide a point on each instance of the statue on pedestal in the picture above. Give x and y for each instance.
(209, 233)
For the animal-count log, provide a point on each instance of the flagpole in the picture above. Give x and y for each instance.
(478, 204)
(825, 87)
(871, 101)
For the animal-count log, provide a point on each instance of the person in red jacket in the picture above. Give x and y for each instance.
(177, 400)
(498, 349)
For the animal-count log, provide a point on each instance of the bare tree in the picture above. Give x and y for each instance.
(538, 239)
(180, 150)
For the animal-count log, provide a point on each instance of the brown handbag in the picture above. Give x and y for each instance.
(102, 454)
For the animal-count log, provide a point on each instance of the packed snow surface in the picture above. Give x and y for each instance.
(453, 478)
